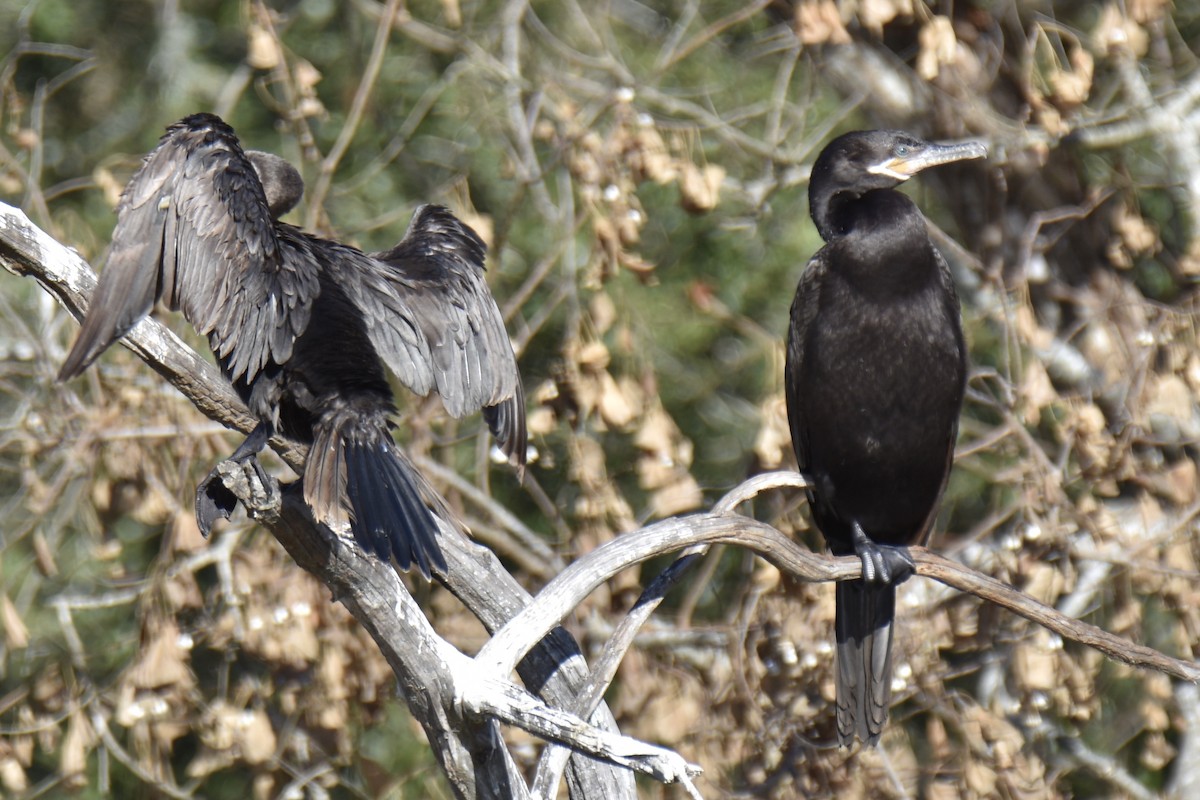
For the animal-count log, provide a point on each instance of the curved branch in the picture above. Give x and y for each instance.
(582, 577)
(458, 699)
(578, 580)
(438, 681)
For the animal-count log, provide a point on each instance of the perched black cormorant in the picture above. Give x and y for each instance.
(302, 327)
(876, 370)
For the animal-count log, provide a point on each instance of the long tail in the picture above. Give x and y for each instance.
(864, 659)
(371, 485)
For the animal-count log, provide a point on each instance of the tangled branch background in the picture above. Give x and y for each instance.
(639, 172)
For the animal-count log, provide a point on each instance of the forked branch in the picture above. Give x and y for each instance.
(459, 699)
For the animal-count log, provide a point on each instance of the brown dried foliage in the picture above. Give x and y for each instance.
(1076, 479)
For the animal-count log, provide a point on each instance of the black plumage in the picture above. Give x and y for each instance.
(875, 375)
(303, 326)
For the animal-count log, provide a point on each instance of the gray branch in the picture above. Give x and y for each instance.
(459, 700)
(468, 747)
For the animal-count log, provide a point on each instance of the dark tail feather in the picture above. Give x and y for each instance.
(864, 659)
(388, 516)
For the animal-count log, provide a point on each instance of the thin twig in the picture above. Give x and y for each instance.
(316, 197)
(521, 532)
(751, 488)
(667, 52)
(519, 123)
(710, 32)
(100, 725)
(1105, 767)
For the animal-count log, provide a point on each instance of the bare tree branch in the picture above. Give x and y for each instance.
(440, 683)
(460, 700)
(582, 577)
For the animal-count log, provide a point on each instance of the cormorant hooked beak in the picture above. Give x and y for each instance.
(907, 160)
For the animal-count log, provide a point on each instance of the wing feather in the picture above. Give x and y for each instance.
(803, 314)
(436, 325)
(946, 279)
(194, 229)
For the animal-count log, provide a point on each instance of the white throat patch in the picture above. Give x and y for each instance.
(884, 169)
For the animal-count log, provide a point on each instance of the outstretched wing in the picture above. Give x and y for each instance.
(194, 229)
(434, 322)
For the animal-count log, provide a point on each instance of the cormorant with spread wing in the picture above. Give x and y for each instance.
(876, 370)
(303, 326)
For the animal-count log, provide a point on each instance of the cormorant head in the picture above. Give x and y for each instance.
(862, 161)
(281, 181)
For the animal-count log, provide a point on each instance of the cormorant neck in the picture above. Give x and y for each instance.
(826, 205)
(837, 209)
(882, 241)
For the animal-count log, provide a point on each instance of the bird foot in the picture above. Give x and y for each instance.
(215, 500)
(254, 442)
(882, 563)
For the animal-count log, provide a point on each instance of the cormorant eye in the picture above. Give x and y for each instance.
(902, 150)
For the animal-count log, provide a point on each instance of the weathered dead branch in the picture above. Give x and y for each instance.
(459, 700)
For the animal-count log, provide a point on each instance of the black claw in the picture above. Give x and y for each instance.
(868, 557)
(259, 472)
(900, 563)
(213, 501)
(881, 563)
